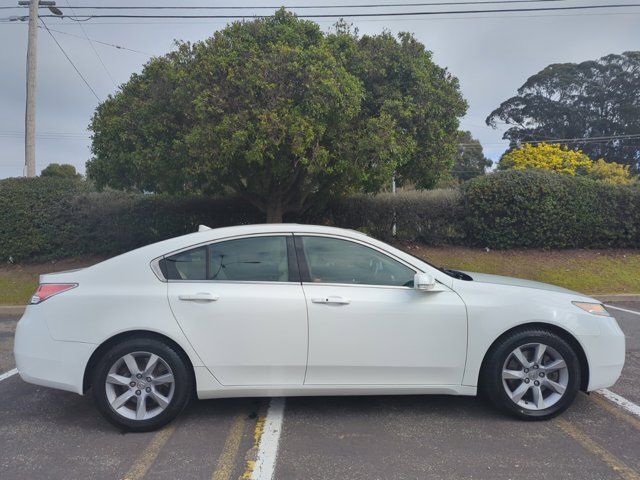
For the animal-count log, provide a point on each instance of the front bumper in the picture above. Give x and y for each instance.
(605, 354)
(41, 360)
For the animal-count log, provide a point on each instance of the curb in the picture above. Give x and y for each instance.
(618, 298)
(12, 309)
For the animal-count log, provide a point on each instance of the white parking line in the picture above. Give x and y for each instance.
(623, 309)
(620, 401)
(8, 374)
(268, 450)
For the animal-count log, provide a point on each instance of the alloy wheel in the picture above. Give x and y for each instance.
(535, 376)
(139, 385)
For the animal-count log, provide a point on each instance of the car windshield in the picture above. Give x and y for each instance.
(447, 271)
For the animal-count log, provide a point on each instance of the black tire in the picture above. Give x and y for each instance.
(491, 381)
(183, 383)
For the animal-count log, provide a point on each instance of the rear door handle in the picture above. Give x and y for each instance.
(199, 297)
(332, 300)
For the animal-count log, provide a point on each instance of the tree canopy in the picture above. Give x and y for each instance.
(280, 113)
(588, 100)
(470, 161)
(60, 170)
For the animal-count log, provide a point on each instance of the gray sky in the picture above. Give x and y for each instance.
(492, 55)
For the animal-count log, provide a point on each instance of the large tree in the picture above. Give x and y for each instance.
(587, 100)
(470, 161)
(281, 114)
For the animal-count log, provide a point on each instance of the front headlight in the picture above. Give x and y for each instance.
(592, 308)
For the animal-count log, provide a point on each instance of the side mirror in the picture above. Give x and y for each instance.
(424, 282)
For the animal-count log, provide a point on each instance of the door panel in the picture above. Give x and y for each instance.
(251, 334)
(240, 304)
(385, 336)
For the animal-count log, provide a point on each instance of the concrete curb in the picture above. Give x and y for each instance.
(12, 309)
(623, 297)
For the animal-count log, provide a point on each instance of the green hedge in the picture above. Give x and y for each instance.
(433, 217)
(47, 218)
(539, 209)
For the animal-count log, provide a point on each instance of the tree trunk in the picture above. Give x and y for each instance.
(274, 213)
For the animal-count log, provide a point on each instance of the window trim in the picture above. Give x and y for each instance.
(304, 266)
(294, 269)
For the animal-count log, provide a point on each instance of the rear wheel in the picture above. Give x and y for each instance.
(141, 384)
(533, 374)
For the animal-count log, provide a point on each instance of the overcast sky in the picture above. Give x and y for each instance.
(492, 55)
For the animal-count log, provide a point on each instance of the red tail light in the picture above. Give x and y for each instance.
(46, 290)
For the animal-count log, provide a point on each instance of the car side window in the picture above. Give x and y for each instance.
(189, 265)
(332, 260)
(258, 259)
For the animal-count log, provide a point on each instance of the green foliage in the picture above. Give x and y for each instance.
(540, 209)
(433, 217)
(59, 170)
(589, 99)
(470, 161)
(281, 114)
(30, 213)
(51, 218)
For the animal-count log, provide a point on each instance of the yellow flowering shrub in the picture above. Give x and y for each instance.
(545, 156)
(558, 158)
(611, 172)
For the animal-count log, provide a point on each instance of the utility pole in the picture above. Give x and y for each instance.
(395, 215)
(32, 63)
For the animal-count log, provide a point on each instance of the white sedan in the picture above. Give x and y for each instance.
(276, 310)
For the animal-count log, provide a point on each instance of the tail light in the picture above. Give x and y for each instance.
(47, 290)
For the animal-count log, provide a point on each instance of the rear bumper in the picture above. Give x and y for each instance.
(605, 354)
(41, 360)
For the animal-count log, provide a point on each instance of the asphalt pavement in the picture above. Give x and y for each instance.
(49, 434)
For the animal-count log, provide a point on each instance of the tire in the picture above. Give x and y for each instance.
(527, 386)
(149, 397)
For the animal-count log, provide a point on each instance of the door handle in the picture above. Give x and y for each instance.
(199, 297)
(332, 300)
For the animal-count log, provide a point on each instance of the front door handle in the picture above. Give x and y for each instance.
(332, 300)
(199, 297)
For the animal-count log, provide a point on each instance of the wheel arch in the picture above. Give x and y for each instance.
(108, 343)
(561, 332)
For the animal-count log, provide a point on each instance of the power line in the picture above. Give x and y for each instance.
(353, 15)
(301, 7)
(93, 48)
(119, 47)
(70, 61)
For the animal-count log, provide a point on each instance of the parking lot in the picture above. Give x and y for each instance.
(52, 434)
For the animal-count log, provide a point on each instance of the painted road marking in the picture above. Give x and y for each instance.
(8, 374)
(150, 453)
(623, 309)
(227, 459)
(620, 401)
(607, 457)
(616, 411)
(268, 450)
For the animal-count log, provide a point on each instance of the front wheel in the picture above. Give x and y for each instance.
(141, 384)
(533, 374)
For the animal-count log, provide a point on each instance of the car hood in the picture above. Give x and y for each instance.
(518, 282)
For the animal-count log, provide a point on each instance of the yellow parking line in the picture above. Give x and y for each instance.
(607, 457)
(227, 458)
(611, 408)
(257, 436)
(150, 453)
